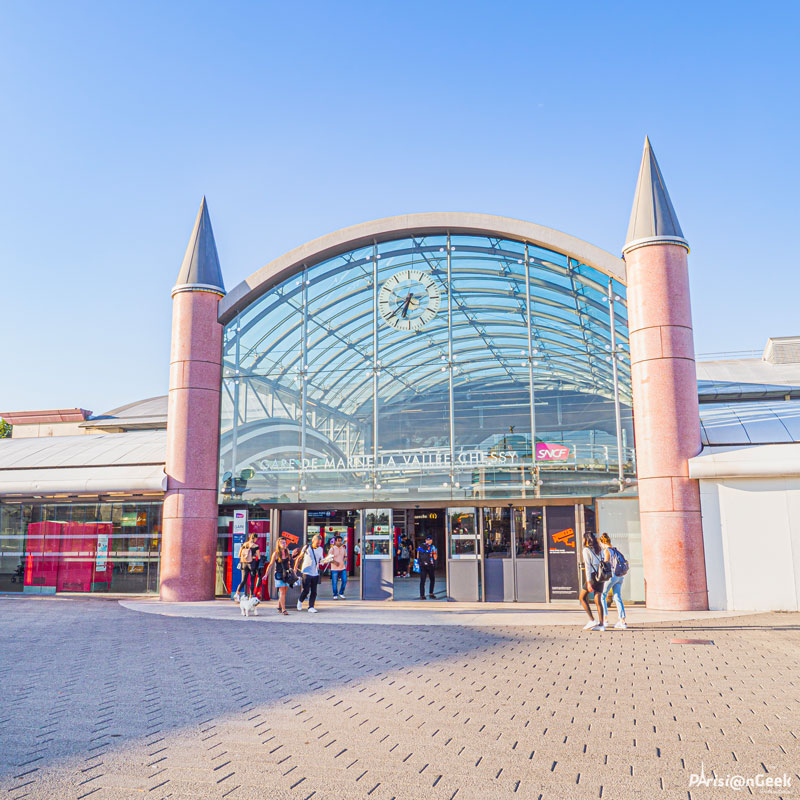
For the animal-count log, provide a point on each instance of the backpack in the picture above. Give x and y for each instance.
(620, 563)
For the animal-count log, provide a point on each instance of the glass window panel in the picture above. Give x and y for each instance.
(529, 532)
(463, 532)
(378, 533)
(497, 532)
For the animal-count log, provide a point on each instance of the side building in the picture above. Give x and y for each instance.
(81, 499)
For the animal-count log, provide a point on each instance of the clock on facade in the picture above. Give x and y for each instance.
(408, 300)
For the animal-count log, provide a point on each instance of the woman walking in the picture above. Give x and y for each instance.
(593, 581)
(248, 563)
(311, 556)
(614, 583)
(282, 559)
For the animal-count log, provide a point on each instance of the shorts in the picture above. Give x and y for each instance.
(594, 586)
(280, 584)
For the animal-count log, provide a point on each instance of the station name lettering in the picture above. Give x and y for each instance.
(393, 461)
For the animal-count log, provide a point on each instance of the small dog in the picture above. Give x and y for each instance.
(248, 606)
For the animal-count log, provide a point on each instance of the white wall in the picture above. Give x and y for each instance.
(619, 518)
(751, 532)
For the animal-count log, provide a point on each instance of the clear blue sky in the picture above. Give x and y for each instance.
(296, 119)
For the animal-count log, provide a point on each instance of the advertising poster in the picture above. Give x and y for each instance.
(561, 553)
(136, 566)
(101, 556)
(293, 528)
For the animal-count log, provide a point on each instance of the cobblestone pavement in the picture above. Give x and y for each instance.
(102, 702)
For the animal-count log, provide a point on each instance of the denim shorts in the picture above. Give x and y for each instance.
(280, 584)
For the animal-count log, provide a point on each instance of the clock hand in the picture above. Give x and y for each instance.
(399, 307)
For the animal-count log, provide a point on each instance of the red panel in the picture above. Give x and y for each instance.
(78, 551)
(42, 548)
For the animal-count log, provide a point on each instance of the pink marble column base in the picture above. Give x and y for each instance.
(672, 550)
(188, 559)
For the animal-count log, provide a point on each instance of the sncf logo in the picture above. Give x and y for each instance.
(548, 451)
(565, 537)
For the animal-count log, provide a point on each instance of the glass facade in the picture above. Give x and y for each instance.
(96, 547)
(438, 367)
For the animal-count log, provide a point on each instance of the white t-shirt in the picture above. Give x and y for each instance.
(311, 559)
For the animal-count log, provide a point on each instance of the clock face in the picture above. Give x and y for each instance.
(409, 300)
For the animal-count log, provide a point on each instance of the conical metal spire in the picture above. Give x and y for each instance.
(200, 269)
(653, 218)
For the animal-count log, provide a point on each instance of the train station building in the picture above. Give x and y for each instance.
(497, 385)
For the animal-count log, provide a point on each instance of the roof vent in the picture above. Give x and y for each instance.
(782, 350)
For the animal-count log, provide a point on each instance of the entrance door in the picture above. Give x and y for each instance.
(498, 566)
(529, 566)
(463, 555)
(430, 523)
(378, 554)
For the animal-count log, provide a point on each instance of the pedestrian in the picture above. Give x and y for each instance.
(593, 581)
(426, 556)
(357, 552)
(248, 564)
(336, 553)
(311, 556)
(404, 557)
(614, 584)
(284, 577)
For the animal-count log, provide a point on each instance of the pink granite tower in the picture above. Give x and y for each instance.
(665, 407)
(189, 542)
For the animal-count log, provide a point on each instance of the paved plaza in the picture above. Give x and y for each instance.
(103, 701)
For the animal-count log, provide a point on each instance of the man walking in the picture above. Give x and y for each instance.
(426, 557)
(338, 570)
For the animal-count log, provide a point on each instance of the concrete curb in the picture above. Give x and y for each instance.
(363, 613)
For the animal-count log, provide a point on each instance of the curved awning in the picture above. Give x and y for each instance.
(411, 225)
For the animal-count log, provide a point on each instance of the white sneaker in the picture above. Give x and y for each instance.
(622, 625)
(336, 597)
(342, 597)
(589, 625)
(236, 598)
(599, 628)
(312, 610)
(299, 606)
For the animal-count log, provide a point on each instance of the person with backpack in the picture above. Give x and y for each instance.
(594, 579)
(619, 568)
(312, 557)
(427, 556)
(403, 558)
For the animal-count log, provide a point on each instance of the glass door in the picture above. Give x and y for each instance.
(529, 566)
(498, 565)
(463, 551)
(378, 554)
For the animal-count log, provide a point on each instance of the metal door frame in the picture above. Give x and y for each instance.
(362, 515)
(478, 550)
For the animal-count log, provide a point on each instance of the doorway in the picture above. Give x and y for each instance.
(413, 527)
